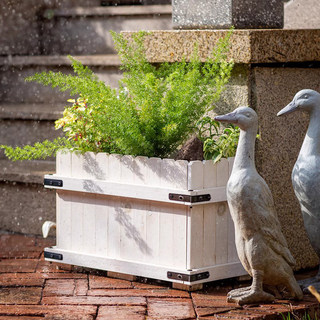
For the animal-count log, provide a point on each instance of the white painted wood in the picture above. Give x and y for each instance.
(64, 212)
(195, 223)
(166, 235)
(222, 215)
(209, 216)
(114, 211)
(154, 166)
(101, 171)
(114, 167)
(114, 227)
(63, 163)
(127, 169)
(141, 171)
(101, 226)
(209, 174)
(134, 191)
(195, 175)
(153, 232)
(144, 269)
(174, 174)
(77, 232)
(209, 235)
(179, 236)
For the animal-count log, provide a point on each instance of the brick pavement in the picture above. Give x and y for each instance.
(31, 288)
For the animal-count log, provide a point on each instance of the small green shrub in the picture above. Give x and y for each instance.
(153, 112)
(217, 142)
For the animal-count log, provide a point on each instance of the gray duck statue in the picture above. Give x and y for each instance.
(306, 171)
(261, 246)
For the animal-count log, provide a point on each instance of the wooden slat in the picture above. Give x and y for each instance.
(63, 163)
(166, 235)
(154, 166)
(222, 215)
(195, 175)
(153, 231)
(102, 166)
(101, 226)
(63, 215)
(195, 238)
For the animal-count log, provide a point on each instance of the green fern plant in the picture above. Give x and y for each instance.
(153, 112)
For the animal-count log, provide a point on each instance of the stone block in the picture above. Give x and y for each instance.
(14, 89)
(86, 30)
(220, 14)
(302, 14)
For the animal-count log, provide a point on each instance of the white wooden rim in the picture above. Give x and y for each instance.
(217, 194)
(216, 272)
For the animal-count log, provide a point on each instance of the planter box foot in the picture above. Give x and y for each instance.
(185, 287)
(122, 276)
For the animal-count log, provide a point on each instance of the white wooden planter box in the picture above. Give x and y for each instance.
(149, 217)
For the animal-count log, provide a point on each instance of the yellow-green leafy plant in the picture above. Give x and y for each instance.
(154, 110)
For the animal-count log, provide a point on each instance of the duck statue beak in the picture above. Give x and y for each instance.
(229, 117)
(291, 107)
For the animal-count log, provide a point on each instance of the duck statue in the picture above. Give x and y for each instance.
(261, 246)
(306, 171)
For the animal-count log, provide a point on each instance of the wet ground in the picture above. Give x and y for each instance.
(31, 288)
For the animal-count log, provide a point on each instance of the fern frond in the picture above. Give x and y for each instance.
(40, 150)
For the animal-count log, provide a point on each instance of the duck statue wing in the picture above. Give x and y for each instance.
(270, 225)
(266, 219)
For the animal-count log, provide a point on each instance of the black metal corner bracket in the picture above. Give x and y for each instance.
(53, 182)
(52, 255)
(188, 277)
(188, 198)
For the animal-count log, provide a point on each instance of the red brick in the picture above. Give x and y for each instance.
(21, 279)
(10, 254)
(86, 300)
(211, 300)
(170, 309)
(48, 266)
(122, 313)
(139, 285)
(81, 287)
(163, 292)
(97, 282)
(86, 312)
(18, 265)
(20, 318)
(18, 246)
(63, 275)
(20, 295)
(59, 287)
(210, 311)
(16, 241)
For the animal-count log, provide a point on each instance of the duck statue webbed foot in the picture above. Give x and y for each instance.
(252, 294)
